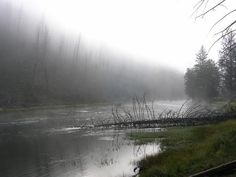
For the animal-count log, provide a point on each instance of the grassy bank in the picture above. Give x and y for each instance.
(189, 150)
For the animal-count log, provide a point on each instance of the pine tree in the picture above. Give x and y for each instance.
(202, 81)
(201, 56)
(227, 64)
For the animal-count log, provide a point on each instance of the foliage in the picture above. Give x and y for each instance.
(190, 150)
(202, 81)
(227, 64)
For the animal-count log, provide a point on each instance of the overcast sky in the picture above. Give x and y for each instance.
(149, 30)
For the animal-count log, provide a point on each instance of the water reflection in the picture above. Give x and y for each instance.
(48, 143)
(71, 154)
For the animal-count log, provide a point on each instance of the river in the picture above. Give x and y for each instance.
(49, 143)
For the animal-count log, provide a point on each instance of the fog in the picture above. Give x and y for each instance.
(94, 88)
(43, 65)
(143, 30)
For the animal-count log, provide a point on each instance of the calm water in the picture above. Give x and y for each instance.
(49, 143)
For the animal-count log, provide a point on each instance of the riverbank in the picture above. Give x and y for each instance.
(188, 150)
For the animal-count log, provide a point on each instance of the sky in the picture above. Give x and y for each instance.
(151, 31)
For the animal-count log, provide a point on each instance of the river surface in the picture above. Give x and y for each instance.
(51, 143)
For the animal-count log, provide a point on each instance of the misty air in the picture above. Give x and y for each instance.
(108, 88)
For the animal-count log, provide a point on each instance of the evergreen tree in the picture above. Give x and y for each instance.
(202, 81)
(227, 64)
(201, 56)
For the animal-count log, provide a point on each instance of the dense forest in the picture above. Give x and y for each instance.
(40, 65)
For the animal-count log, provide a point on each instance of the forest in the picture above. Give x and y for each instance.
(40, 65)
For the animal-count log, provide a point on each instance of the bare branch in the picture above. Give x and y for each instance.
(198, 6)
(222, 19)
(210, 9)
(221, 37)
(227, 28)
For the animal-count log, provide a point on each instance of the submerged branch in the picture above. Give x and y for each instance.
(143, 114)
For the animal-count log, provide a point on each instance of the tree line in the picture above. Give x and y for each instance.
(39, 65)
(208, 79)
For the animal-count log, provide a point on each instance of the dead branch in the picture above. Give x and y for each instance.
(210, 9)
